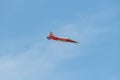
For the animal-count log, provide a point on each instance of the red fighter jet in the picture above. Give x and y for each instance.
(53, 37)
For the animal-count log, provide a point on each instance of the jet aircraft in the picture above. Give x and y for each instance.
(53, 37)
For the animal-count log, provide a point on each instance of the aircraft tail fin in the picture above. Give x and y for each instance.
(51, 34)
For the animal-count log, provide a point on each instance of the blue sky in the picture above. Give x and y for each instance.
(26, 54)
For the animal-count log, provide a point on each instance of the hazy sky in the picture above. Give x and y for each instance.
(26, 54)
